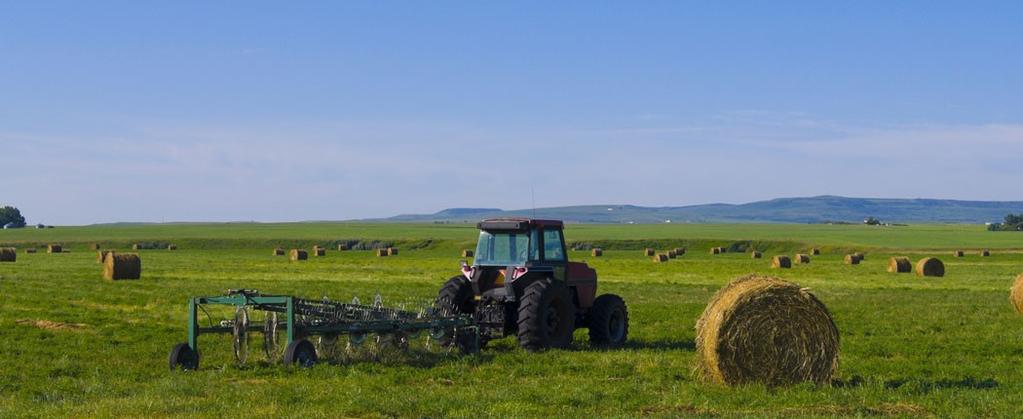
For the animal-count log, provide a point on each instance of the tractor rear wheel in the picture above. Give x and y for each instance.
(182, 356)
(546, 316)
(609, 321)
(300, 353)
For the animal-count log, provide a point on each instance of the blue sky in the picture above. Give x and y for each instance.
(134, 111)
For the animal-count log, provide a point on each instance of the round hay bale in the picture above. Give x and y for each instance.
(135, 247)
(1016, 294)
(95, 246)
(671, 254)
(54, 248)
(715, 250)
(781, 262)
(802, 258)
(319, 251)
(101, 255)
(861, 256)
(900, 265)
(756, 255)
(466, 253)
(648, 252)
(597, 252)
(8, 254)
(172, 247)
(765, 330)
(852, 259)
(959, 253)
(122, 266)
(680, 251)
(381, 252)
(298, 254)
(985, 253)
(31, 250)
(392, 251)
(342, 247)
(278, 252)
(930, 267)
(660, 258)
(815, 251)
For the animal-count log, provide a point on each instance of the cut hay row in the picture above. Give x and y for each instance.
(930, 267)
(1016, 294)
(781, 262)
(122, 266)
(802, 259)
(766, 330)
(298, 254)
(900, 265)
(8, 254)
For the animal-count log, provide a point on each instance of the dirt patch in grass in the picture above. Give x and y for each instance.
(52, 325)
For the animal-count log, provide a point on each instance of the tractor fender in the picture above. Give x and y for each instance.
(583, 279)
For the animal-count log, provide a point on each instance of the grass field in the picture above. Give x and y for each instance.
(948, 346)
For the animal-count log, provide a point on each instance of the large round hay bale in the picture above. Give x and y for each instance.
(802, 258)
(930, 267)
(959, 253)
(648, 252)
(815, 251)
(298, 254)
(756, 255)
(278, 252)
(54, 248)
(122, 266)
(1016, 294)
(852, 259)
(381, 252)
(765, 330)
(101, 255)
(900, 265)
(660, 258)
(8, 254)
(466, 253)
(781, 262)
(985, 253)
(597, 252)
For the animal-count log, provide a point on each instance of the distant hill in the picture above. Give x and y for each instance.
(818, 209)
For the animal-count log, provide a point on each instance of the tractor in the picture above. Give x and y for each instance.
(521, 283)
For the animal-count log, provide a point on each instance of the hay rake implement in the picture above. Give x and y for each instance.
(289, 322)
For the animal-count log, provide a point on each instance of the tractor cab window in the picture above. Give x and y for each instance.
(503, 248)
(552, 248)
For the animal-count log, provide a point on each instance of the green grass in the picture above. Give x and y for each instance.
(948, 346)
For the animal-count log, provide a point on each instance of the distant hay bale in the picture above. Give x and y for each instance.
(298, 254)
(852, 259)
(1016, 294)
(8, 254)
(54, 248)
(135, 247)
(765, 330)
(597, 252)
(381, 252)
(715, 250)
(959, 253)
(278, 252)
(756, 255)
(660, 258)
(802, 258)
(985, 253)
(815, 251)
(900, 265)
(122, 266)
(342, 247)
(671, 254)
(781, 262)
(861, 256)
(392, 251)
(722, 250)
(680, 251)
(930, 267)
(101, 255)
(319, 251)
(466, 253)
(31, 250)
(95, 246)
(648, 252)
(172, 247)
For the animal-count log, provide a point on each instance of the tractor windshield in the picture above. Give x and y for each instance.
(504, 248)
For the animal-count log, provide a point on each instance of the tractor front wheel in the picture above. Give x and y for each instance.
(609, 321)
(546, 316)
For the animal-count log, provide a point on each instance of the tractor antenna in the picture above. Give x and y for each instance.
(532, 197)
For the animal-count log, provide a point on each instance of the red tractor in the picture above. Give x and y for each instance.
(521, 283)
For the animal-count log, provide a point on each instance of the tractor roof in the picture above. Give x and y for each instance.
(516, 224)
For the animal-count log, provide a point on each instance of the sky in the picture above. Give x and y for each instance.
(285, 111)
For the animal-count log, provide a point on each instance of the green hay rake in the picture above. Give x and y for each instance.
(290, 322)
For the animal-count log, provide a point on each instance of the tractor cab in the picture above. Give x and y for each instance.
(510, 249)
